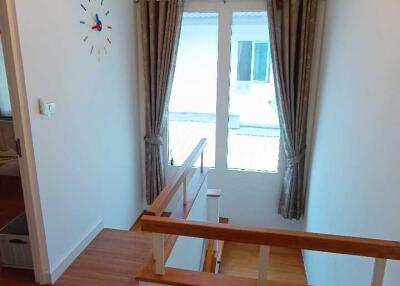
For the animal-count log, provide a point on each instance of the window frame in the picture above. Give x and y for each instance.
(225, 11)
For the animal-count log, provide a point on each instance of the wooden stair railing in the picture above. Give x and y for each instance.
(166, 229)
(179, 179)
(213, 257)
(381, 250)
(163, 245)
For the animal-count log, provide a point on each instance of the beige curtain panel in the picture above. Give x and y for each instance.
(160, 25)
(292, 31)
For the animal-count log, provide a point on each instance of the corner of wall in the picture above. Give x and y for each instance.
(62, 265)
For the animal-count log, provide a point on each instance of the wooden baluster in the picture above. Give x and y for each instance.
(202, 162)
(184, 184)
(213, 202)
(263, 266)
(379, 272)
(158, 253)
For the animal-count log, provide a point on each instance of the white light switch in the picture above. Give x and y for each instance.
(47, 108)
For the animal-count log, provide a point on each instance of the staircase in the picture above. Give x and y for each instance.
(242, 260)
(188, 221)
(179, 225)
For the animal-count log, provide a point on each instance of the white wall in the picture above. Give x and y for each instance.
(354, 184)
(251, 198)
(87, 154)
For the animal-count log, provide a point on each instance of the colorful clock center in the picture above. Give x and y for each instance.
(98, 25)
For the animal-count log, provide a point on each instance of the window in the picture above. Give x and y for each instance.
(5, 105)
(225, 62)
(254, 133)
(253, 66)
(261, 62)
(245, 51)
(192, 108)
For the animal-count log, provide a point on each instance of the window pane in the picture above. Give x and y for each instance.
(194, 92)
(254, 134)
(260, 61)
(245, 50)
(5, 106)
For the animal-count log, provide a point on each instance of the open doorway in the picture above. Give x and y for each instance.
(15, 250)
(20, 207)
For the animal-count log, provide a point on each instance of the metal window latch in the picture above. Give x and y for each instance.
(18, 147)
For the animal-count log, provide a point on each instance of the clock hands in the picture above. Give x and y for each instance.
(99, 25)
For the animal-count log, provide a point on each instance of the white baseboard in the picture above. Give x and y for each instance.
(70, 257)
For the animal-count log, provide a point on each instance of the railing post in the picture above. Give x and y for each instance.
(263, 266)
(213, 202)
(202, 162)
(184, 184)
(379, 272)
(158, 253)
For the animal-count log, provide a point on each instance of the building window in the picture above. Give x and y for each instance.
(248, 127)
(245, 52)
(261, 62)
(253, 66)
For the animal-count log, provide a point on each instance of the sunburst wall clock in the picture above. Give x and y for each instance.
(97, 28)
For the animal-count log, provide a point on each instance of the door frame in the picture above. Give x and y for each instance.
(22, 129)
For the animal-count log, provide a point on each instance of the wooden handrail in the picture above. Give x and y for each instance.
(273, 237)
(166, 230)
(168, 192)
(184, 206)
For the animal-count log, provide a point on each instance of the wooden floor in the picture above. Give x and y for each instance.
(286, 265)
(115, 257)
(112, 259)
(16, 277)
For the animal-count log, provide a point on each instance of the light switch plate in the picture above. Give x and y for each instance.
(46, 108)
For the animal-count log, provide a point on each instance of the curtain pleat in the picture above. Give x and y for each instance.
(292, 32)
(161, 25)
